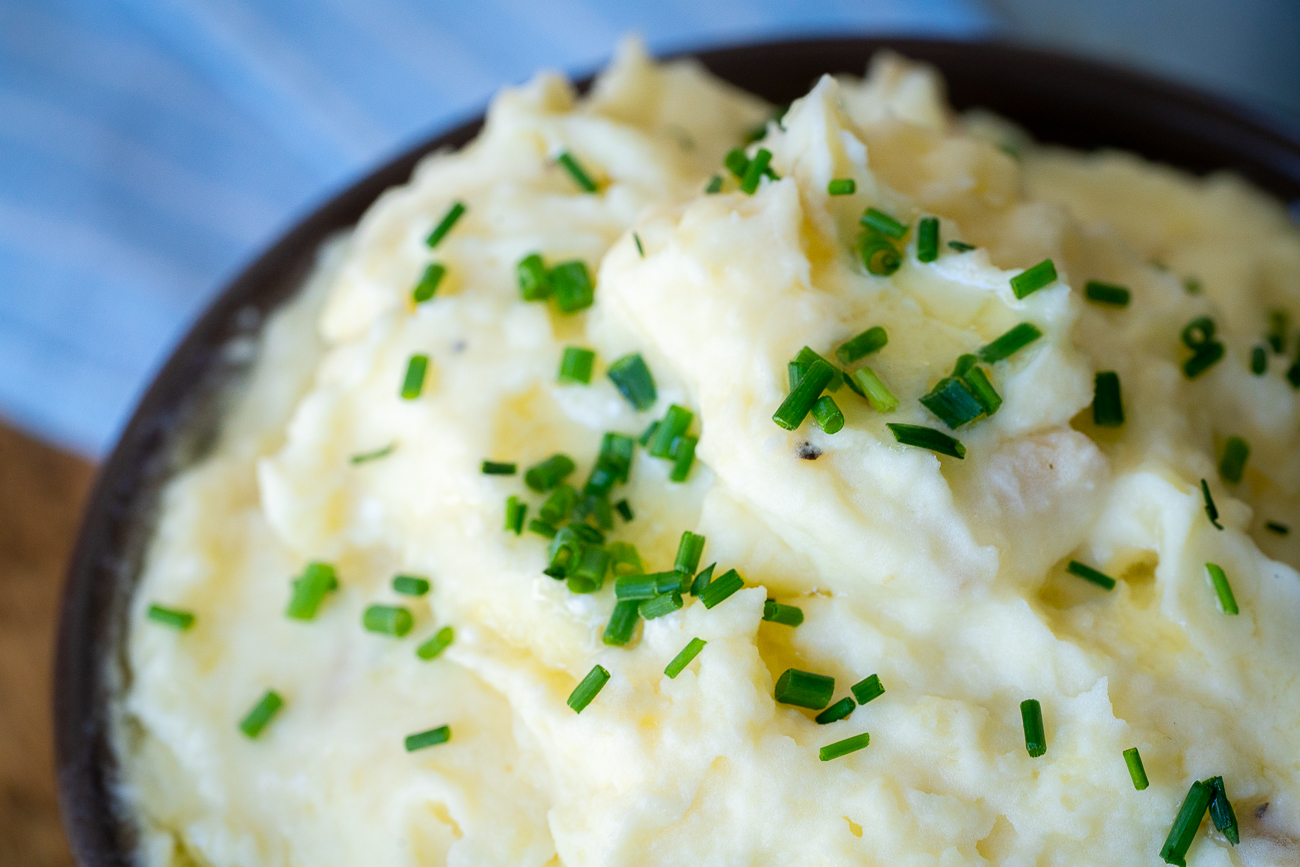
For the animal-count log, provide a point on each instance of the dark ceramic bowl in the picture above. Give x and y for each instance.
(1059, 99)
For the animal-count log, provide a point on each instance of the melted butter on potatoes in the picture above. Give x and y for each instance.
(946, 577)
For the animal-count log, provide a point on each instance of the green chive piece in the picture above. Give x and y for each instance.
(589, 575)
(1258, 360)
(869, 341)
(1191, 284)
(624, 559)
(577, 172)
(719, 590)
(261, 714)
(534, 279)
(842, 187)
(1008, 344)
(867, 689)
(961, 246)
(979, 385)
(736, 162)
(613, 463)
(624, 508)
(1204, 359)
(952, 402)
(587, 690)
(572, 287)
(927, 239)
(542, 528)
(367, 457)
(1221, 812)
(1198, 336)
(883, 223)
(576, 364)
(826, 413)
(1032, 279)
(549, 473)
(882, 400)
(622, 622)
(1198, 333)
(836, 712)
(804, 689)
(676, 422)
(309, 590)
(172, 617)
(1106, 293)
(638, 586)
(715, 185)
(689, 550)
(515, 512)
(1107, 408)
(1293, 374)
(639, 249)
(844, 747)
(964, 364)
(683, 659)
(586, 532)
(1031, 714)
(927, 438)
(633, 380)
(1211, 510)
(428, 285)
(1235, 452)
(1186, 824)
(498, 468)
(800, 401)
(1227, 601)
(387, 620)
(796, 369)
(1278, 325)
(755, 170)
(661, 605)
(879, 256)
(410, 585)
(564, 552)
(1087, 573)
(431, 738)
(1275, 527)
(559, 505)
(413, 383)
(434, 647)
(787, 615)
(440, 231)
(703, 579)
(1133, 759)
(683, 455)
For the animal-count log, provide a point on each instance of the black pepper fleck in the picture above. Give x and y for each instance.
(1263, 808)
(808, 451)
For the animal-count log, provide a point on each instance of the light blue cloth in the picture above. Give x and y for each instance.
(148, 148)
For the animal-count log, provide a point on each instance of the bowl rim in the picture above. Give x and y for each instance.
(104, 564)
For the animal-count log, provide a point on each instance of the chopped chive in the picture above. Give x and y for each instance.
(624, 559)
(715, 185)
(683, 455)
(964, 364)
(172, 617)
(977, 382)
(498, 468)
(1191, 284)
(558, 505)
(804, 689)
(1198, 336)
(543, 476)
(961, 246)
(1293, 374)
(927, 239)
(534, 279)
(413, 382)
(1133, 759)
(624, 509)
(826, 413)
(1278, 326)
(683, 659)
(661, 605)
(883, 223)
(720, 589)
(431, 738)
(1032, 279)
(799, 365)
(515, 512)
(836, 712)
(1235, 452)
(576, 364)
(309, 590)
(879, 256)
(613, 463)
(1221, 812)
(1258, 360)
(1204, 358)
(587, 690)
(564, 552)
(1275, 527)
(367, 457)
(755, 170)
(586, 532)
(882, 400)
(648, 433)
(869, 341)
(736, 162)
(867, 689)
(676, 421)
(638, 586)
(1106, 293)
(576, 171)
(387, 620)
(703, 579)
(844, 747)
(1227, 602)
(261, 714)
(410, 585)
(542, 528)
(428, 285)
(572, 287)
(622, 622)
(952, 403)
(1186, 824)
(633, 380)
(1010, 343)
(787, 615)
(927, 438)
(842, 187)
(1211, 510)
(1087, 573)
(639, 249)
(1198, 333)
(689, 550)
(799, 402)
(1107, 408)
(1031, 715)
(589, 575)
(440, 231)
(434, 647)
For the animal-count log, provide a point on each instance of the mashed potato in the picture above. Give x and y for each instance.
(945, 577)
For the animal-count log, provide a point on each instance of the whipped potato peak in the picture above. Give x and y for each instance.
(630, 488)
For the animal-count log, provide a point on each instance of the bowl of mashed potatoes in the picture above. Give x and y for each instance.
(846, 452)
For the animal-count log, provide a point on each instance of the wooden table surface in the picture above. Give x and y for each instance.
(41, 493)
